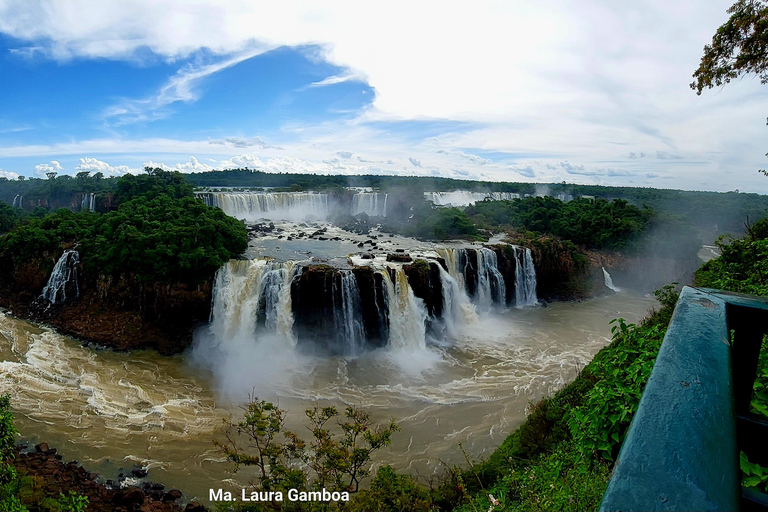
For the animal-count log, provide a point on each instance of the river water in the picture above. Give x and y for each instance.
(112, 411)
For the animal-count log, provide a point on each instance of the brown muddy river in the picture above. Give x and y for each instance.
(115, 410)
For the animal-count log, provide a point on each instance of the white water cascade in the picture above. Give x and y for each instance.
(63, 276)
(490, 282)
(346, 313)
(465, 197)
(457, 307)
(88, 202)
(525, 278)
(407, 315)
(295, 206)
(247, 291)
(374, 204)
(491, 287)
(609, 281)
(18, 201)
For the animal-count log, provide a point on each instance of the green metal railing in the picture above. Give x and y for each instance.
(682, 448)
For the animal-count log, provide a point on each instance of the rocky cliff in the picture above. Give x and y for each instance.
(119, 313)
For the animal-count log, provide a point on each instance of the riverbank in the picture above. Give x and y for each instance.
(45, 476)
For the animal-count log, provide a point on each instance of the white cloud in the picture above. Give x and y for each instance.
(8, 174)
(241, 162)
(95, 165)
(602, 83)
(52, 166)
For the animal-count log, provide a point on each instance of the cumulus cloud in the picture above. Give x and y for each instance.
(241, 162)
(414, 162)
(8, 175)
(95, 165)
(344, 154)
(52, 166)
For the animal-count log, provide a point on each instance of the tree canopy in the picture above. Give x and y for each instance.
(740, 46)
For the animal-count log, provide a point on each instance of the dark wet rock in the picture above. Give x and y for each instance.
(424, 278)
(399, 258)
(139, 472)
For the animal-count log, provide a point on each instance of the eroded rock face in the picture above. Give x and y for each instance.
(339, 311)
(119, 313)
(424, 278)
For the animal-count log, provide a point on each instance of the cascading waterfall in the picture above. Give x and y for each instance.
(465, 197)
(456, 304)
(255, 205)
(347, 311)
(18, 201)
(88, 202)
(350, 331)
(525, 278)
(407, 317)
(609, 281)
(247, 293)
(374, 204)
(63, 278)
(476, 271)
(490, 282)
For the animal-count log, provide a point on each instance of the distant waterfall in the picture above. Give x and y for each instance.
(525, 278)
(18, 201)
(374, 204)
(63, 279)
(88, 202)
(465, 197)
(609, 282)
(270, 205)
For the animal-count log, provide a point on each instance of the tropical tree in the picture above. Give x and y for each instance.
(739, 47)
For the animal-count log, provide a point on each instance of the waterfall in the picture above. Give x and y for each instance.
(350, 331)
(88, 202)
(248, 293)
(465, 197)
(490, 282)
(525, 278)
(608, 281)
(407, 314)
(456, 304)
(63, 278)
(271, 205)
(16, 201)
(374, 204)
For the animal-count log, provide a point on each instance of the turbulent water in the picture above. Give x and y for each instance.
(114, 410)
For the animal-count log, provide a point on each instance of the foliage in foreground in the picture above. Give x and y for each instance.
(20, 493)
(561, 457)
(337, 457)
(742, 265)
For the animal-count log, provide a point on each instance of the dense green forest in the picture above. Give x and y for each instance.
(158, 233)
(713, 213)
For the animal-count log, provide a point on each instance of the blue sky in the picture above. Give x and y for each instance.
(576, 91)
